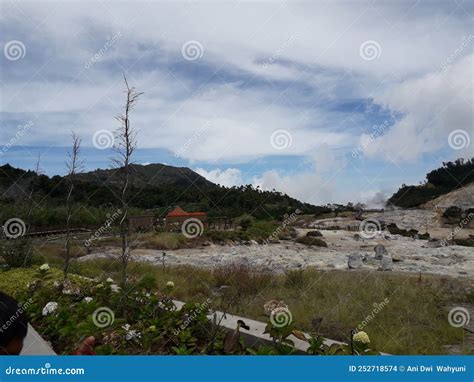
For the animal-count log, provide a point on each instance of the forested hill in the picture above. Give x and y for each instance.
(449, 177)
(153, 186)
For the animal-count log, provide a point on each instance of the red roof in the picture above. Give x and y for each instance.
(179, 212)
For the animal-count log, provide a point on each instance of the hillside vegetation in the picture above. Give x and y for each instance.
(153, 187)
(449, 177)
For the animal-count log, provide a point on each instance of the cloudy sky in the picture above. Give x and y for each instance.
(328, 101)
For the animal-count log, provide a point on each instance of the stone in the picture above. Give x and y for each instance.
(386, 264)
(253, 242)
(434, 243)
(380, 252)
(396, 258)
(355, 261)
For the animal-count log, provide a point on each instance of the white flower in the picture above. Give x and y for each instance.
(88, 299)
(361, 337)
(115, 288)
(50, 307)
(109, 280)
(131, 334)
(44, 267)
(170, 284)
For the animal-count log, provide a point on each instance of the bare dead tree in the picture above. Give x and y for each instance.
(124, 147)
(27, 245)
(74, 165)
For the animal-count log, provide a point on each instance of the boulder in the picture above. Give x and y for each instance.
(396, 258)
(355, 261)
(380, 252)
(386, 264)
(314, 234)
(434, 243)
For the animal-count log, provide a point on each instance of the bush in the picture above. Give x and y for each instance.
(394, 230)
(16, 252)
(163, 240)
(307, 240)
(465, 242)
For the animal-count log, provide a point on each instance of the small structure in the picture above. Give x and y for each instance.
(175, 218)
(141, 223)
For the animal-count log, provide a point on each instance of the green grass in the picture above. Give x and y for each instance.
(14, 282)
(414, 321)
(161, 240)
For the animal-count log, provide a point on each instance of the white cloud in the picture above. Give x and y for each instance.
(432, 106)
(228, 177)
(281, 71)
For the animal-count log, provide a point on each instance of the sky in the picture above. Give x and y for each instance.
(328, 101)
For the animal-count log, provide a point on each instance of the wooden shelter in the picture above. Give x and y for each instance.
(175, 218)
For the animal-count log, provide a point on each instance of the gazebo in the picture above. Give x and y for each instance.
(175, 218)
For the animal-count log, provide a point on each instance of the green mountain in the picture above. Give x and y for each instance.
(451, 176)
(154, 187)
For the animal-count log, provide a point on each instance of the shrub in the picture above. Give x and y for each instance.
(16, 252)
(395, 230)
(163, 240)
(307, 240)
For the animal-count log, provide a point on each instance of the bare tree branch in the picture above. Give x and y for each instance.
(74, 165)
(124, 147)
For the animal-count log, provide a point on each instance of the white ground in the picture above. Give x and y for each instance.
(417, 257)
(415, 254)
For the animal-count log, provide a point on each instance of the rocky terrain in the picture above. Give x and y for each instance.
(405, 254)
(345, 250)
